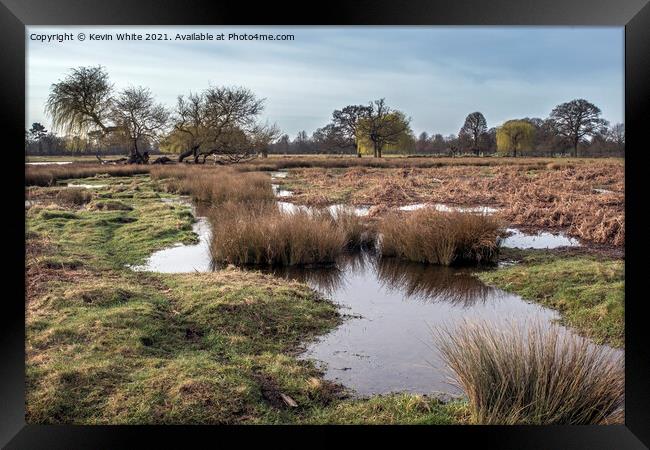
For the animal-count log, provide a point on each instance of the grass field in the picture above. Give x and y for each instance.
(106, 344)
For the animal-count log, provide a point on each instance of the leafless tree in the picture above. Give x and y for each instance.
(617, 134)
(140, 118)
(474, 127)
(221, 121)
(348, 120)
(576, 120)
(332, 137)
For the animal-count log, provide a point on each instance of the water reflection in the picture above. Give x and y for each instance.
(431, 283)
(409, 280)
(387, 345)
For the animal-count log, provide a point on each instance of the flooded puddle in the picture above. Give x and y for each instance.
(88, 186)
(279, 174)
(183, 258)
(42, 163)
(290, 208)
(387, 345)
(541, 240)
(279, 192)
(450, 208)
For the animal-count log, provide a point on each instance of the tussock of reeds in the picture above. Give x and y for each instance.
(214, 185)
(74, 196)
(248, 228)
(438, 237)
(537, 376)
(261, 234)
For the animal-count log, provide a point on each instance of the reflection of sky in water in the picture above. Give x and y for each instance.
(390, 347)
(519, 239)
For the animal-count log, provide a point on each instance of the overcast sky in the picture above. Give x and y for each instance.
(436, 75)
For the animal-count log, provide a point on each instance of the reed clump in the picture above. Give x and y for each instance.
(74, 196)
(214, 185)
(440, 237)
(259, 234)
(536, 376)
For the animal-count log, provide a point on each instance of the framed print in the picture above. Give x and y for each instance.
(380, 219)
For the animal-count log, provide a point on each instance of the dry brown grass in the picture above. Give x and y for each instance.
(74, 196)
(47, 175)
(562, 196)
(248, 227)
(444, 238)
(331, 162)
(214, 185)
(261, 234)
(541, 376)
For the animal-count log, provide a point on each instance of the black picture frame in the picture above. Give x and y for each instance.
(634, 15)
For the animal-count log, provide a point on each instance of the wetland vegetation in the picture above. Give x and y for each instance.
(107, 344)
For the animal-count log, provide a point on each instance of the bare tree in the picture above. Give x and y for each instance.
(617, 134)
(140, 118)
(474, 127)
(348, 120)
(333, 137)
(383, 126)
(216, 120)
(576, 120)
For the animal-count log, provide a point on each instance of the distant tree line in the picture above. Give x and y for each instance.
(221, 123)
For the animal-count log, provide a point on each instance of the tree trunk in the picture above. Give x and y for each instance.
(135, 157)
(187, 153)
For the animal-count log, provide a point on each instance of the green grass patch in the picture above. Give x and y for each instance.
(107, 345)
(588, 292)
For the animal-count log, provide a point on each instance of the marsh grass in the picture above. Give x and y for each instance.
(48, 175)
(215, 185)
(248, 227)
(261, 234)
(331, 162)
(74, 196)
(438, 237)
(537, 376)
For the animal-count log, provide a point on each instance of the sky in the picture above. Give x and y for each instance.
(436, 75)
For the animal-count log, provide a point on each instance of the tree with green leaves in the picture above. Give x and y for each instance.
(515, 136)
(81, 102)
(576, 120)
(37, 131)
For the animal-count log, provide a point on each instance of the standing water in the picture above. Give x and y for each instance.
(393, 307)
(387, 344)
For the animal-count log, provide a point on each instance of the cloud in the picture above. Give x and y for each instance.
(436, 75)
